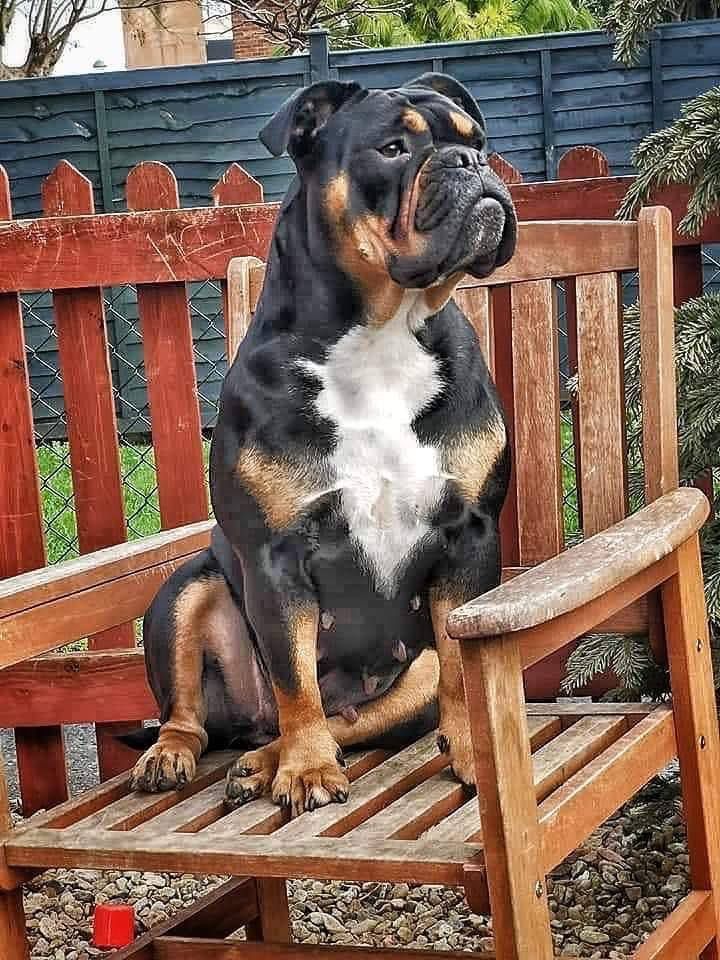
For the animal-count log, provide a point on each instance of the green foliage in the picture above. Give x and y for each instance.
(632, 20)
(697, 364)
(425, 21)
(688, 151)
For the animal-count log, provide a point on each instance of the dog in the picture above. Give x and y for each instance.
(359, 462)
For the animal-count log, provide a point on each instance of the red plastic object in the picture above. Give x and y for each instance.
(113, 925)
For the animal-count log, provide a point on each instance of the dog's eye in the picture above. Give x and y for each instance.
(394, 149)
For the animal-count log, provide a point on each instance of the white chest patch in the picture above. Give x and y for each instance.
(375, 381)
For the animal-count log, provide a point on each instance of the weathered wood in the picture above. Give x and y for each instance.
(236, 186)
(110, 686)
(22, 546)
(273, 922)
(13, 940)
(657, 343)
(502, 354)
(91, 422)
(504, 169)
(109, 603)
(44, 586)
(173, 948)
(170, 369)
(587, 571)
(685, 933)
(698, 743)
(537, 421)
(581, 163)
(436, 798)
(321, 858)
(242, 279)
(601, 409)
(602, 785)
(42, 771)
(476, 304)
(158, 246)
(552, 764)
(493, 683)
(218, 914)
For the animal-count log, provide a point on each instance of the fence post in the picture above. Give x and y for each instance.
(319, 50)
(103, 147)
(548, 122)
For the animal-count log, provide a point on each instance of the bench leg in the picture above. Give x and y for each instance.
(13, 937)
(696, 723)
(508, 809)
(272, 924)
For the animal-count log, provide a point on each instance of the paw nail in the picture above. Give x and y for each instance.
(443, 744)
(341, 796)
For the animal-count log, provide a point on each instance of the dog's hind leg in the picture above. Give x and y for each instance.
(406, 711)
(176, 631)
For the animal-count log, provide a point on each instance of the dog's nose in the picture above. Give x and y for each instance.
(459, 156)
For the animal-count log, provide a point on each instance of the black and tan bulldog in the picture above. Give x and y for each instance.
(359, 462)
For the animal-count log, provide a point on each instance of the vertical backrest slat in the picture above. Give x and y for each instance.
(502, 353)
(243, 276)
(170, 369)
(91, 423)
(537, 421)
(22, 545)
(476, 304)
(40, 750)
(600, 395)
(657, 357)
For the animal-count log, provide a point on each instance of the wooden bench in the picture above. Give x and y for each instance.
(544, 784)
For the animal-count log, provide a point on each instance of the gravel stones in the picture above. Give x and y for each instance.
(603, 900)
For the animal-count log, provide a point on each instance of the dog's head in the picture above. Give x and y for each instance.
(400, 178)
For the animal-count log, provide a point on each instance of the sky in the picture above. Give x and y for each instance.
(97, 39)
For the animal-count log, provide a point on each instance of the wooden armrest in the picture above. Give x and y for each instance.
(46, 608)
(586, 572)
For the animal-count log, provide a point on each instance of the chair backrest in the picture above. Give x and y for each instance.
(516, 315)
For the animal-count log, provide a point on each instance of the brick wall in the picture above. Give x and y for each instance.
(249, 40)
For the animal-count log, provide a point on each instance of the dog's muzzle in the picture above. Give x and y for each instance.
(464, 215)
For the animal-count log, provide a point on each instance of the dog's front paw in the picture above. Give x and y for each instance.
(309, 774)
(454, 740)
(252, 774)
(168, 765)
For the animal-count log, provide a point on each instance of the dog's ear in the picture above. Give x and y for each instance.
(452, 89)
(294, 126)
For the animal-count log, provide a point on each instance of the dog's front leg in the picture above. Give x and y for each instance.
(302, 767)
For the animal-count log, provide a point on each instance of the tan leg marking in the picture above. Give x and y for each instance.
(454, 731)
(406, 699)
(170, 764)
(280, 487)
(303, 763)
(253, 773)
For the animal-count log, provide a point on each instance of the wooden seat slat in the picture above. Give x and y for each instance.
(136, 808)
(322, 858)
(553, 763)
(373, 791)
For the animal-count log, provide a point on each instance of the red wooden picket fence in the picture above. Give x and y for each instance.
(160, 247)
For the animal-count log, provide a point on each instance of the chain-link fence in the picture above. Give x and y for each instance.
(131, 406)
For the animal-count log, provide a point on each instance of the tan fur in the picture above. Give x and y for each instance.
(413, 692)
(454, 720)
(462, 124)
(406, 699)
(470, 458)
(363, 248)
(182, 739)
(414, 121)
(436, 297)
(280, 487)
